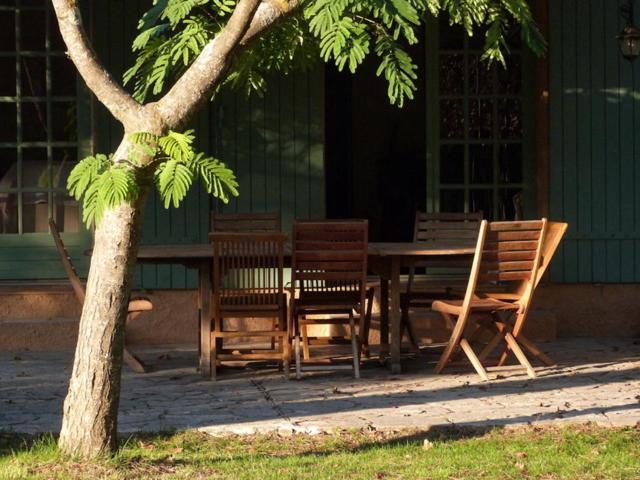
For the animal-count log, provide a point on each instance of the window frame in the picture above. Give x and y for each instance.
(434, 141)
(35, 250)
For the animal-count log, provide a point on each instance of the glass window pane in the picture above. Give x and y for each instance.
(8, 213)
(481, 163)
(8, 131)
(480, 118)
(476, 42)
(35, 212)
(33, 72)
(34, 121)
(480, 76)
(511, 163)
(63, 77)
(8, 77)
(34, 168)
(452, 164)
(451, 37)
(510, 118)
(510, 205)
(64, 159)
(452, 74)
(510, 78)
(66, 213)
(56, 44)
(63, 116)
(482, 201)
(7, 31)
(33, 30)
(452, 119)
(452, 200)
(8, 168)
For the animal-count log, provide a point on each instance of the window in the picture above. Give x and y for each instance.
(478, 140)
(38, 138)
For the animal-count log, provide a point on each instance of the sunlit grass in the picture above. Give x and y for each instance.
(572, 452)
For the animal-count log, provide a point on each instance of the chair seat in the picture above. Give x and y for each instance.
(139, 304)
(454, 307)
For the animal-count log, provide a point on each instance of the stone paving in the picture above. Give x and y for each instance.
(595, 381)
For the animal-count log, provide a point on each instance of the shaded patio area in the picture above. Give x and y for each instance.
(595, 381)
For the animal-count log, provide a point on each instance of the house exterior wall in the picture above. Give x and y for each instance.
(594, 145)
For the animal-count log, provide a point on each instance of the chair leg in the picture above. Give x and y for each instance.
(354, 347)
(517, 351)
(274, 326)
(451, 346)
(405, 324)
(214, 357)
(490, 347)
(365, 326)
(473, 359)
(298, 359)
(133, 361)
(535, 351)
(305, 342)
(128, 356)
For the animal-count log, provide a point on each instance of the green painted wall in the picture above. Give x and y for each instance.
(595, 114)
(274, 144)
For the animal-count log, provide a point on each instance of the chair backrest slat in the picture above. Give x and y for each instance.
(267, 222)
(248, 269)
(330, 256)
(507, 253)
(69, 268)
(521, 239)
(450, 227)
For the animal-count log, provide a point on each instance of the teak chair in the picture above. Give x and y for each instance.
(268, 222)
(137, 305)
(553, 236)
(452, 228)
(248, 282)
(329, 269)
(506, 252)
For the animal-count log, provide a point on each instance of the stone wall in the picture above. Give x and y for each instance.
(48, 320)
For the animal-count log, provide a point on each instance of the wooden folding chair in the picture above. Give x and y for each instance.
(267, 222)
(422, 290)
(136, 306)
(506, 253)
(554, 233)
(329, 270)
(248, 282)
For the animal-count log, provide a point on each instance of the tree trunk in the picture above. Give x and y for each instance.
(89, 426)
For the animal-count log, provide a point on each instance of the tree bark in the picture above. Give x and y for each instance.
(89, 426)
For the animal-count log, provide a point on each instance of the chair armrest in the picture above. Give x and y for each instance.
(139, 304)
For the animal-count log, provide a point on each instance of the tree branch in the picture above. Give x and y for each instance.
(249, 19)
(121, 105)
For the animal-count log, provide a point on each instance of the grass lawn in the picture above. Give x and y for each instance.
(572, 452)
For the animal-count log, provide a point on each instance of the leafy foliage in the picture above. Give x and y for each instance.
(102, 182)
(344, 32)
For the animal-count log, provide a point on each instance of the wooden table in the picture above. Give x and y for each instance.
(385, 259)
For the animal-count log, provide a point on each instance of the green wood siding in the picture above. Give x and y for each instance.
(274, 144)
(594, 147)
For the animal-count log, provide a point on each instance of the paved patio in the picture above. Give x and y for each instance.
(596, 381)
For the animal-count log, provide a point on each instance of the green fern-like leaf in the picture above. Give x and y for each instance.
(218, 179)
(173, 179)
(178, 146)
(85, 173)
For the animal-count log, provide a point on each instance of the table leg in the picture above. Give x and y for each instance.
(384, 318)
(204, 300)
(394, 316)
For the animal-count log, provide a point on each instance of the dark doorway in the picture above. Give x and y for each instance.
(375, 152)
